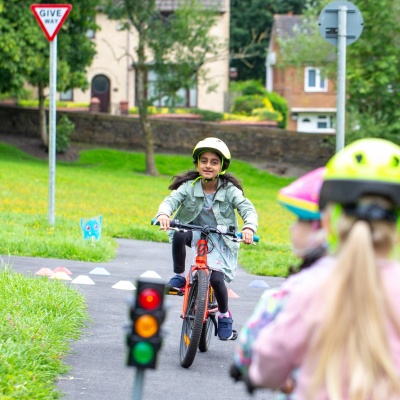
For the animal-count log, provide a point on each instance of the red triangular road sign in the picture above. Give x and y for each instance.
(51, 17)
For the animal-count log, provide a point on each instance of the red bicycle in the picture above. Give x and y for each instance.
(199, 307)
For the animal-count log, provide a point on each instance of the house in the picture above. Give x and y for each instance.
(311, 97)
(112, 74)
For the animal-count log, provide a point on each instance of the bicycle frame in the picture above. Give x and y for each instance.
(198, 294)
(199, 263)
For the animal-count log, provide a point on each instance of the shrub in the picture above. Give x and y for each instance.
(253, 87)
(207, 115)
(59, 104)
(134, 110)
(65, 128)
(264, 114)
(247, 88)
(244, 105)
(279, 104)
(22, 94)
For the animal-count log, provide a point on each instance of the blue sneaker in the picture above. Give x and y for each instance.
(176, 282)
(225, 331)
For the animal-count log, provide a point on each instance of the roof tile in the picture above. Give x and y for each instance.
(284, 24)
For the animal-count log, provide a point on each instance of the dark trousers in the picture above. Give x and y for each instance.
(179, 243)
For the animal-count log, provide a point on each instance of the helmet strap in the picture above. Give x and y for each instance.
(199, 177)
(333, 229)
(398, 222)
(205, 180)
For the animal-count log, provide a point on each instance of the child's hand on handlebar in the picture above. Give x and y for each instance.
(288, 386)
(247, 236)
(164, 221)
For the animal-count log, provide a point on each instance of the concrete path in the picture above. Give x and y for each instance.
(98, 359)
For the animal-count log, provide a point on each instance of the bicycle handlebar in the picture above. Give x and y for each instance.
(174, 223)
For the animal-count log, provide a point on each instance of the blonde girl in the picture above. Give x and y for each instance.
(344, 331)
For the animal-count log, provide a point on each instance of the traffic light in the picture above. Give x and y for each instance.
(147, 313)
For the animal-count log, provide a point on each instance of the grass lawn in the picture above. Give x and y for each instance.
(112, 183)
(38, 318)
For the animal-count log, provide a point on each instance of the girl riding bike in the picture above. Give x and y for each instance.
(208, 195)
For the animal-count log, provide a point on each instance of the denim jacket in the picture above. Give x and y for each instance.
(188, 200)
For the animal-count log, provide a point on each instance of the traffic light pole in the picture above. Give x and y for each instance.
(138, 385)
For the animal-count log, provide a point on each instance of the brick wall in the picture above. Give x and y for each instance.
(245, 142)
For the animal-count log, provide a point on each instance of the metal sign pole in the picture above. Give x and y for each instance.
(50, 18)
(341, 24)
(52, 129)
(341, 78)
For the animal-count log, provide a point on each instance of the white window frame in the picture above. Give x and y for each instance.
(318, 80)
(311, 126)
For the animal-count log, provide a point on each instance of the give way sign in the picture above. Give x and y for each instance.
(51, 17)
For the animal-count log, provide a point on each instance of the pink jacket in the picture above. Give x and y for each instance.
(282, 346)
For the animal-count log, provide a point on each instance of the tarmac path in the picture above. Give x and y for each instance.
(98, 358)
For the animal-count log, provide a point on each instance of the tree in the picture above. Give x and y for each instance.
(25, 55)
(372, 70)
(176, 46)
(250, 28)
(17, 45)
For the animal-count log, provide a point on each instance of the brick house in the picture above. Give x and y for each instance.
(112, 75)
(311, 97)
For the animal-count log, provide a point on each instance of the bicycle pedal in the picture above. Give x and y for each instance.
(175, 292)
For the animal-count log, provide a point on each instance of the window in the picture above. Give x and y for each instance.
(188, 97)
(316, 123)
(322, 122)
(100, 84)
(314, 80)
(67, 96)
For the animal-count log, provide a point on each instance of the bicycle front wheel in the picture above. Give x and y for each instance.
(192, 325)
(207, 331)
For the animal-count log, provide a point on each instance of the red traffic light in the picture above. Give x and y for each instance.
(149, 299)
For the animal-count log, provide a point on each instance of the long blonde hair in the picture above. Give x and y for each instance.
(353, 336)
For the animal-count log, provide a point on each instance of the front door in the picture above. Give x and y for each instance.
(101, 90)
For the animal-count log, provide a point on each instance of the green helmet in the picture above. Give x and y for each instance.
(215, 146)
(365, 167)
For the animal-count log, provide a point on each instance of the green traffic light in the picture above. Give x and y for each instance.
(143, 353)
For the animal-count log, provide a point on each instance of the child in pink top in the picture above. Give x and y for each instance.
(343, 332)
(309, 245)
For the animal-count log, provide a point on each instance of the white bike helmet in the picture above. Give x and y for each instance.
(215, 146)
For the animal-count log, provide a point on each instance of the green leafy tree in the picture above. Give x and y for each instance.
(372, 66)
(250, 28)
(17, 45)
(173, 45)
(24, 55)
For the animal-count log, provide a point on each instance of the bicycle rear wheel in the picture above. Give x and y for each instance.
(192, 325)
(207, 331)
